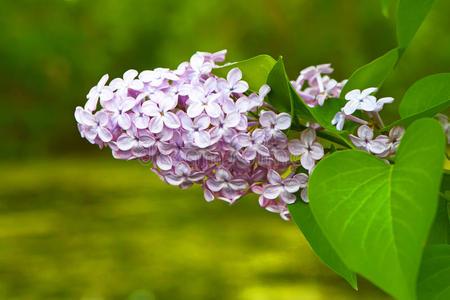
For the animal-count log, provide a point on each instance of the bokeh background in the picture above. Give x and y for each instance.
(76, 224)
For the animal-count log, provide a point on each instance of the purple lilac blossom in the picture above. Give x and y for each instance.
(197, 128)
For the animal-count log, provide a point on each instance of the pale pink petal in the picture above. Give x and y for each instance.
(164, 162)
(196, 176)
(104, 134)
(156, 124)
(141, 122)
(365, 132)
(296, 147)
(203, 122)
(283, 121)
(304, 195)
(124, 121)
(106, 94)
(352, 95)
(287, 197)
(267, 118)
(249, 154)
(350, 107)
(308, 136)
(238, 184)
(87, 118)
(195, 109)
(263, 150)
(222, 174)
(234, 76)
(213, 110)
(240, 87)
(272, 191)
(307, 161)
(173, 179)
(125, 142)
(182, 168)
(368, 91)
(316, 151)
(208, 195)
(273, 177)
(232, 120)
(202, 139)
(214, 185)
(146, 140)
(291, 185)
(150, 109)
(302, 178)
(171, 120)
(281, 155)
(129, 75)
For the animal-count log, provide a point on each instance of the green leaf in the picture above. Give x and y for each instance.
(434, 276)
(280, 94)
(440, 231)
(373, 74)
(302, 216)
(425, 98)
(300, 108)
(254, 70)
(377, 216)
(426, 94)
(410, 15)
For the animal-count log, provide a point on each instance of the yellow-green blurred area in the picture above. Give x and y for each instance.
(77, 224)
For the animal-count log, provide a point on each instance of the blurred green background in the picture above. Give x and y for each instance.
(76, 224)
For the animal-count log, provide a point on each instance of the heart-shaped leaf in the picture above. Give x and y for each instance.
(428, 93)
(373, 74)
(280, 94)
(434, 276)
(302, 216)
(425, 98)
(254, 70)
(377, 216)
(410, 15)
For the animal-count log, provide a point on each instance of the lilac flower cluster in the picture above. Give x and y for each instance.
(195, 127)
(315, 88)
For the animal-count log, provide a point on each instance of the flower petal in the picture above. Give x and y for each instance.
(273, 177)
(214, 185)
(287, 198)
(283, 121)
(125, 142)
(272, 191)
(171, 120)
(156, 124)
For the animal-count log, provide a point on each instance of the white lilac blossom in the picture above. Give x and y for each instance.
(338, 120)
(358, 100)
(364, 101)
